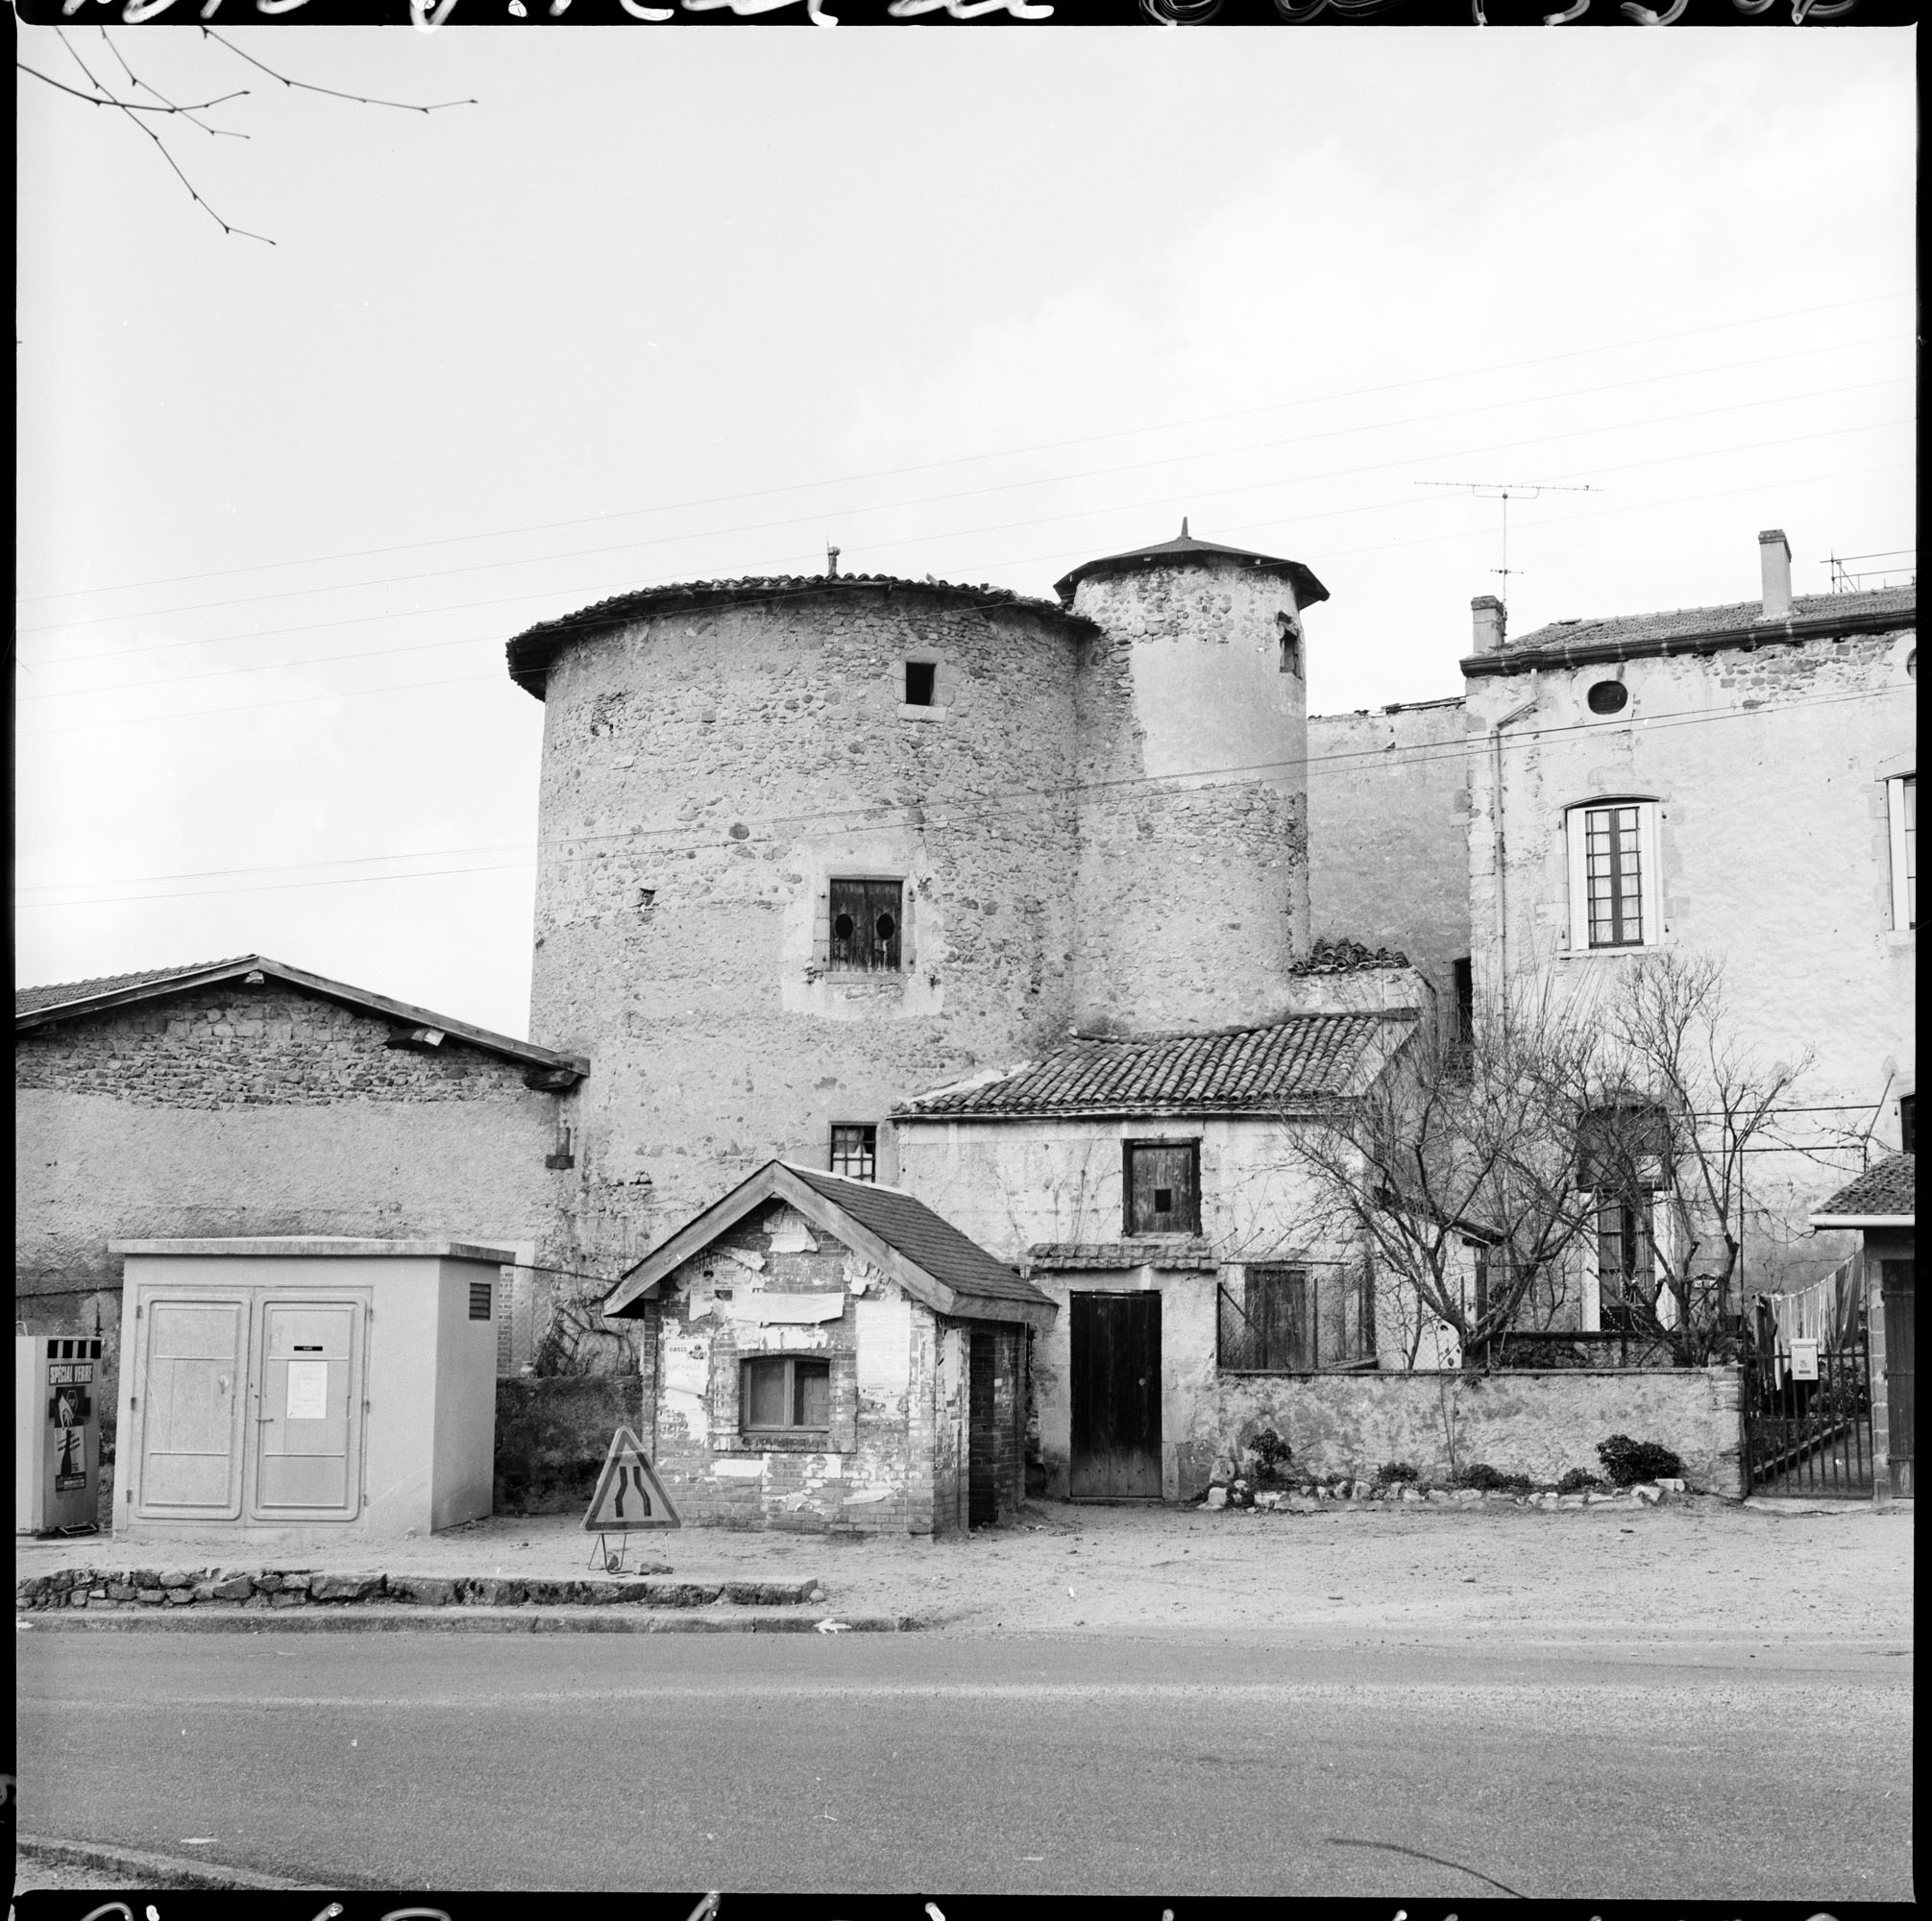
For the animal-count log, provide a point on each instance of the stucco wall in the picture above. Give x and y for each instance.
(705, 775)
(1539, 1425)
(1388, 834)
(1193, 825)
(893, 1459)
(1769, 768)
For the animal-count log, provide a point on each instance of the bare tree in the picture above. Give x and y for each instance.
(1466, 1140)
(1684, 1105)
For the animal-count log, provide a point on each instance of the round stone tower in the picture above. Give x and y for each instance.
(793, 866)
(1191, 897)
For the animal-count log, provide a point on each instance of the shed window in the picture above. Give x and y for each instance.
(855, 1151)
(1162, 1187)
(921, 676)
(866, 925)
(786, 1394)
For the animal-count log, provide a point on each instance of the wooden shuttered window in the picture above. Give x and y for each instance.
(866, 925)
(1162, 1187)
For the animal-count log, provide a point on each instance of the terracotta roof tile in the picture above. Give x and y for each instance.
(1074, 1256)
(1306, 1060)
(32, 1000)
(1739, 616)
(1888, 1188)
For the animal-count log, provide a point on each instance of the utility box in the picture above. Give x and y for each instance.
(306, 1385)
(57, 1445)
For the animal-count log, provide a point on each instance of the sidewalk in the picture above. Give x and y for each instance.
(1346, 1575)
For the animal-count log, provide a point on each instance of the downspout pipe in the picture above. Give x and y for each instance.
(1509, 719)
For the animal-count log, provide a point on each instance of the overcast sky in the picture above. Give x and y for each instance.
(679, 304)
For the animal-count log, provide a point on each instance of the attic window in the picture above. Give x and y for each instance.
(1610, 696)
(921, 677)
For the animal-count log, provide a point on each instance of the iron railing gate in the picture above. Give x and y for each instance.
(1808, 1437)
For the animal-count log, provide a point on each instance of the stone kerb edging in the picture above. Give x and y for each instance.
(1349, 1493)
(301, 1588)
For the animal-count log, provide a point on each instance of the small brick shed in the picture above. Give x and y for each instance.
(826, 1354)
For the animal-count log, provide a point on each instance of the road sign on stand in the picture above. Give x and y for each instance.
(628, 1496)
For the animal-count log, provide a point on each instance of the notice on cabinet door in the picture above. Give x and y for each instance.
(309, 1390)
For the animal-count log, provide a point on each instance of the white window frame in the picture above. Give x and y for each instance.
(1902, 918)
(1651, 904)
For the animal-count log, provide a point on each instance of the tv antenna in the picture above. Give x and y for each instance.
(1504, 491)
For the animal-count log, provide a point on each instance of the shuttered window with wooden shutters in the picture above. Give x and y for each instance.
(866, 918)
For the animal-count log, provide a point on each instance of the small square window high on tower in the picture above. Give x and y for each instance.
(922, 678)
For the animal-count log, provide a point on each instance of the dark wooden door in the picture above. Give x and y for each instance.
(1116, 1396)
(1898, 1292)
(982, 1432)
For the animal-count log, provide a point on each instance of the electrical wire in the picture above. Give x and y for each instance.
(1039, 447)
(983, 807)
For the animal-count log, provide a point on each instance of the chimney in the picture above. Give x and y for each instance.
(1490, 621)
(1773, 552)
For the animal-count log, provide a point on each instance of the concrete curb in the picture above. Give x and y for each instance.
(379, 1619)
(152, 1872)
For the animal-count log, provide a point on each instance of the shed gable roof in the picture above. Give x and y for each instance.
(74, 1000)
(1306, 1062)
(936, 1264)
(1885, 1193)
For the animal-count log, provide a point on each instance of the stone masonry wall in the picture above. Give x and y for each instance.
(1388, 834)
(706, 777)
(1539, 1425)
(1193, 850)
(241, 1112)
(887, 1464)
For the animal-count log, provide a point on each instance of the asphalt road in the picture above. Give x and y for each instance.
(1024, 1764)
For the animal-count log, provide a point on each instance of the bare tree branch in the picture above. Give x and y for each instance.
(309, 86)
(127, 105)
(134, 80)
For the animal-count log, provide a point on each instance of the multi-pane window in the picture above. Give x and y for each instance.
(786, 1394)
(865, 928)
(1901, 798)
(1624, 1265)
(1162, 1187)
(855, 1151)
(1613, 876)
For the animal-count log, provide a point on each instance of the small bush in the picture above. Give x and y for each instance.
(1395, 1471)
(1272, 1456)
(1492, 1480)
(1578, 1480)
(1627, 1462)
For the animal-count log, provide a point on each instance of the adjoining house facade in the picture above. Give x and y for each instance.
(250, 1097)
(1148, 1185)
(828, 1354)
(1736, 782)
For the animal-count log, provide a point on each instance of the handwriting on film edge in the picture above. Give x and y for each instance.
(427, 15)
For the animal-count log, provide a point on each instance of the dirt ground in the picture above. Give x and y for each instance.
(1492, 1575)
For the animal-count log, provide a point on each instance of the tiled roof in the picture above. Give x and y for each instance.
(73, 1000)
(920, 1235)
(1889, 1190)
(35, 1000)
(1075, 1257)
(1881, 606)
(1306, 1060)
(1347, 957)
(1185, 551)
(531, 651)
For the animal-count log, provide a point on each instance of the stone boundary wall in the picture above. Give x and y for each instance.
(189, 1587)
(1539, 1425)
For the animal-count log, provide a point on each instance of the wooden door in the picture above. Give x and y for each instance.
(982, 1431)
(309, 1410)
(1895, 1288)
(195, 1365)
(1116, 1396)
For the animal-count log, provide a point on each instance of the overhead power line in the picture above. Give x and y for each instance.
(1420, 753)
(965, 459)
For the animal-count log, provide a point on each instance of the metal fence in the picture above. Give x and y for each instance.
(1807, 1435)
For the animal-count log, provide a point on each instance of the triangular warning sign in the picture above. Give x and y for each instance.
(628, 1492)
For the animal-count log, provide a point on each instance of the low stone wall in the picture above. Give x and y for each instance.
(1538, 1425)
(299, 1588)
(552, 1434)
